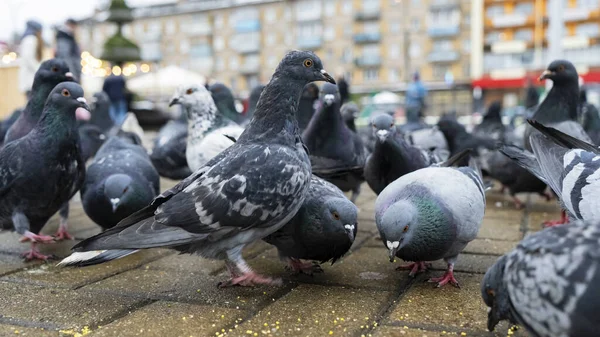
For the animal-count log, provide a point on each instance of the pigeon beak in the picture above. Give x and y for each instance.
(328, 99)
(393, 252)
(350, 231)
(492, 319)
(174, 101)
(115, 204)
(326, 77)
(382, 134)
(82, 113)
(69, 75)
(545, 75)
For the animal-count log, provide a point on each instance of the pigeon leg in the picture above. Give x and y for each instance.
(563, 220)
(355, 193)
(518, 203)
(415, 268)
(21, 224)
(36, 238)
(62, 233)
(34, 254)
(299, 267)
(448, 277)
(502, 189)
(248, 277)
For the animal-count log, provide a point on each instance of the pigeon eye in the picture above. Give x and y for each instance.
(391, 125)
(65, 93)
(54, 69)
(561, 68)
(374, 126)
(126, 189)
(308, 63)
(491, 292)
(336, 215)
(189, 91)
(405, 229)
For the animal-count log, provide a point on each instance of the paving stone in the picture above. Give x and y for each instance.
(487, 246)
(431, 331)
(58, 307)
(10, 263)
(9, 243)
(19, 331)
(312, 310)
(187, 286)
(367, 224)
(535, 219)
(470, 263)
(172, 319)
(51, 275)
(500, 229)
(459, 308)
(507, 215)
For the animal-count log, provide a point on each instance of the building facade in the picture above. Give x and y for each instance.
(376, 44)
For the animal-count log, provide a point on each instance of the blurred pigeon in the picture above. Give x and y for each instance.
(247, 192)
(306, 106)
(337, 154)
(7, 123)
(548, 283)
(590, 118)
(568, 166)
(459, 139)
(491, 126)
(323, 229)
(168, 153)
(350, 112)
(225, 102)
(132, 125)
(49, 74)
(43, 170)
(91, 139)
(253, 101)
(431, 139)
(392, 157)
(206, 125)
(120, 181)
(100, 117)
(431, 214)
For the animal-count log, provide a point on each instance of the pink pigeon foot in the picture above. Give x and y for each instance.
(563, 220)
(518, 203)
(34, 254)
(415, 268)
(29, 236)
(250, 279)
(62, 233)
(299, 267)
(448, 277)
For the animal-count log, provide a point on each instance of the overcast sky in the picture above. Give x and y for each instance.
(14, 13)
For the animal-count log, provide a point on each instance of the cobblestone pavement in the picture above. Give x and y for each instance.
(160, 293)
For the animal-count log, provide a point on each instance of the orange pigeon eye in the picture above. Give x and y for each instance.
(308, 63)
(189, 91)
(66, 93)
(336, 215)
(405, 229)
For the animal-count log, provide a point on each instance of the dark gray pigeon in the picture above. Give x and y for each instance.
(392, 157)
(168, 153)
(225, 102)
(306, 106)
(350, 112)
(100, 117)
(120, 181)
(245, 193)
(43, 170)
(432, 214)
(7, 123)
(459, 139)
(337, 154)
(548, 283)
(252, 101)
(323, 229)
(491, 126)
(590, 118)
(91, 138)
(49, 74)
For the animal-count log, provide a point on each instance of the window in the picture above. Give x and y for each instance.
(219, 20)
(443, 17)
(415, 24)
(347, 7)
(200, 50)
(439, 71)
(524, 35)
(588, 4)
(442, 45)
(139, 29)
(370, 6)
(393, 76)
(307, 10)
(219, 64)
(493, 37)
(329, 8)
(329, 34)
(309, 30)
(126, 30)
(466, 70)
(466, 46)
(234, 63)
(347, 56)
(371, 74)
(415, 50)
(371, 27)
(199, 24)
(184, 46)
(219, 43)
(525, 8)
(370, 50)
(394, 51)
(154, 27)
(395, 27)
(272, 61)
(271, 39)
(170, 27)
(270, 15)
(588, 29)
(494, 10)
(467, 19)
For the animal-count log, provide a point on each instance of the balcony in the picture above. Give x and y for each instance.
(443, 4)
(443, 56)
(250, 68)
(312, 42)
(245, 43)
(367, 38)
(247, 26)
(366, 15)
(443, 31)
(199, 29)
(511, 20)
(368, 61)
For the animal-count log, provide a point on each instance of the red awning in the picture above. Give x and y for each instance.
(488, 83)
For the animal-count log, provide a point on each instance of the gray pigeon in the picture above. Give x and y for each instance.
(337, 154)
(91, 138)
(350, 112)
(206, 125)
(432, 214)
(168, 153)
(323, 229)
(40, 172)
(306, 106)
(549, 283)
(120, 181)
(100, 117)
(491, 126)
(252, 101)
(245, 193)
(392, 157)
(225, 102)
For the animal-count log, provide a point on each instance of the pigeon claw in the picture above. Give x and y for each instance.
(563, 220)
(415, 268)
(299, 267)
(62, 234)
(34, 254)
(448, 277)
(35, 238)
(250, 279)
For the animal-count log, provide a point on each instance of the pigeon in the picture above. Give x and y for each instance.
(206, 125)
(91, 139)
(248, 191)
(548, 283)
(336, 153)
(120, 181)
(491, 126)
(431, 214)
(225, 102)
(459, 139)
(590, 118)
(323, 229)
(49, 74)
(100, 117)
(252, 101)
(168, 153)
(41, 171)
(431, 139)
(350, 112)
(306, 107)
(392, 157)
(568, 165)
(8, 122)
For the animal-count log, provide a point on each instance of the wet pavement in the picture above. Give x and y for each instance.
(161, 293)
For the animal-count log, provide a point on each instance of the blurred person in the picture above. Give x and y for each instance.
(415, 99)
(67, 48)
(344, 89)
(589, 117)
(532, 96)
(114, 87)
(30, 51)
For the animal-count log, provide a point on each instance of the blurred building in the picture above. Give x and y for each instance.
(377, 44)
(514, 36)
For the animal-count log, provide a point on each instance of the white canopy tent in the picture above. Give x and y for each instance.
(163, 82)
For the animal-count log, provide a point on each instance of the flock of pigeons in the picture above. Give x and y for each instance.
(280, 175)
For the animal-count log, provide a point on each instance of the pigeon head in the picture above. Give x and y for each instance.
(224, 100)
(396, 226)
(330, 94)
(68, 97)
(495, 295)
(310, 92)
(194, 99)
(52, 72)
(494, 111)
(561, 72)
(383, 126)
(349, 111)
(302, 66)
(100, 99)
(341, 214)
(117, 189)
